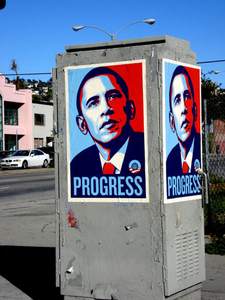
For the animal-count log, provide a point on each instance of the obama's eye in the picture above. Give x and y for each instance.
(177, 99)
(92, 102)
(113, 94)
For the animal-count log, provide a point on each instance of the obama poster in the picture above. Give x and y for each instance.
(106, 139)
(181, 131)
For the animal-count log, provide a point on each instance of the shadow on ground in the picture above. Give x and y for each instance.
(31, 269)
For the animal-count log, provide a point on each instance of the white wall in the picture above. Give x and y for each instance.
(46, 130)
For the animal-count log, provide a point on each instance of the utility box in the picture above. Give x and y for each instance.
(128, 144)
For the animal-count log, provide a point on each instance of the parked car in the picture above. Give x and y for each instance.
(6, 153)
(50, 151)
(25, 159)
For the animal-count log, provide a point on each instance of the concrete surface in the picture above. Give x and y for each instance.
(10, 292)
(27, 227)
(214, 286)
(28, 223)
(32, 224)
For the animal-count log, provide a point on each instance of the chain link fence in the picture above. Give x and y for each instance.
(214, 164)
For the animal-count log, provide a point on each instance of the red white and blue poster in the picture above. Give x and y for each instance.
(181, 131)
(106, 140)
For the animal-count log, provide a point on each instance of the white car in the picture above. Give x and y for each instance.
(25, 159)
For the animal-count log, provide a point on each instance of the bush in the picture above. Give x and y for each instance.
(217, 246)
(215, 210)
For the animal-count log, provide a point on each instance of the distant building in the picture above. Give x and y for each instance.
(16, 130)
(42, 123)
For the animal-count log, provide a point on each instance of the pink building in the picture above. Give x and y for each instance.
(219, 136)
(15, 117)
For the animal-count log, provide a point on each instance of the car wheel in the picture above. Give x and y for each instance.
(24, 164)
(45, 163)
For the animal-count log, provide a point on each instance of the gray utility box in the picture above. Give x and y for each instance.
(132, 230)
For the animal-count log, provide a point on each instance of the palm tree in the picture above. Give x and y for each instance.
(14, 68)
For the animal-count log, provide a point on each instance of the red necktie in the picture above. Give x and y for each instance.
(108, 168)
(185, 168)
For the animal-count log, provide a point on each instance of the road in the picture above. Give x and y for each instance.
(27, 207)
(35, 184)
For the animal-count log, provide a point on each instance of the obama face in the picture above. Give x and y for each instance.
(182, 114)
(105, 109)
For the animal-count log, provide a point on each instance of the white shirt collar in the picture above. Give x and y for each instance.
(117, 159)
(189, 156)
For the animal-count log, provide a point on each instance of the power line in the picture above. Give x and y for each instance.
(211, 61)
(49, 73)
(19, 74)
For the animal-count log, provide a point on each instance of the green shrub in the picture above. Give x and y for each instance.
(217, 246)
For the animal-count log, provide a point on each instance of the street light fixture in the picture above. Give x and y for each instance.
(80, 27)
(113, 36)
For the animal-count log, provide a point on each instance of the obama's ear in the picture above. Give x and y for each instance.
(82, 125)
(172, 123)
(131, 109)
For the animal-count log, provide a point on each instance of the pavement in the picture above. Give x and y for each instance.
(9, 292)
(33, 239)
(214, 286)
(27, 250)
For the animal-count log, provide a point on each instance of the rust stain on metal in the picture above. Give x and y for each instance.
(72, 220)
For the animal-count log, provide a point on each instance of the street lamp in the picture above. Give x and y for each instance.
(113, 36)
(80, 27)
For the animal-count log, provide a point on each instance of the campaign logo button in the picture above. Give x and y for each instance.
(134, 166)
(196, 164)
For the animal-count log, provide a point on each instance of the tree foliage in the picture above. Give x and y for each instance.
(41, 90)
(215, 97)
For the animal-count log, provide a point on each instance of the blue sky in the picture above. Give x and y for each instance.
(33, 32)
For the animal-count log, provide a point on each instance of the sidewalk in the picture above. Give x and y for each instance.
(31, 223)
(10, 292)
(28, 224)
(213, 287)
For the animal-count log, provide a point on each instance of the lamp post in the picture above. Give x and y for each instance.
(113, 36)
(80, 27)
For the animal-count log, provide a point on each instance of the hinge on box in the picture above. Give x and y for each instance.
(59, 266)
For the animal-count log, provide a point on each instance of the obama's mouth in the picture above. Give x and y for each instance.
(108, 124)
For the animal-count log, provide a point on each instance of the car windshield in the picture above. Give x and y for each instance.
(10, 153)
(21, 153)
